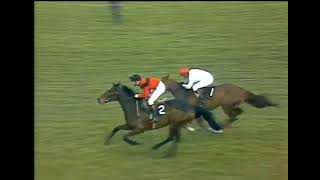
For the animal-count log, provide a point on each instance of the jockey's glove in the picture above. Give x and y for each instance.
(185, 86)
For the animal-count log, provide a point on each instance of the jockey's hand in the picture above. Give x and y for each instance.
(184, 85)
(136, 95)
(185, 81)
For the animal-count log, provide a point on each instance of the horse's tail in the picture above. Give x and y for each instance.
(258, 101)
(207, 115)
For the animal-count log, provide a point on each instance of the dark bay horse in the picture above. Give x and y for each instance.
(228, 96)
(175, 113)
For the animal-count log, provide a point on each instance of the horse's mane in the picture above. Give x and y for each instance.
(179, 85)
(131, 93)
(127, 90)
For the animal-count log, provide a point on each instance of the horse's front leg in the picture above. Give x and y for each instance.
(201, 123)
(114, 131)
(132, 133)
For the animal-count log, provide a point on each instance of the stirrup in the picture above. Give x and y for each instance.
(154, 119)
(203, 101)
(153, 125)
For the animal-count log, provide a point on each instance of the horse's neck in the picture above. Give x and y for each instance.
(181, 93)
(128, 106)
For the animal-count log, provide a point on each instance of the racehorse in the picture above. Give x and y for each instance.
(175, 113)
(228, 96)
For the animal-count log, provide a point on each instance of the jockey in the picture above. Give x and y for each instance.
(153, 88)
(196, 79)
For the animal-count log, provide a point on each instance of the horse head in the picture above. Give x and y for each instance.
(116, 93)
(112, 94)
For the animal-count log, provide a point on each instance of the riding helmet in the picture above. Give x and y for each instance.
(184, 71)
(135, 77)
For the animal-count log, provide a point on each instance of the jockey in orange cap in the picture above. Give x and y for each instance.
(196, 79)
(153, 88)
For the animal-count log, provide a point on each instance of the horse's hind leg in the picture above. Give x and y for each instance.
(157, 146)
(174, 146)
(114, 131)
(170, 138)
(236, 111)
(132, 133)
(231, 112)
(178, 135)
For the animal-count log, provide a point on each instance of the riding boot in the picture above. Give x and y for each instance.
(197, 93)
(202, 100)
(151, 111)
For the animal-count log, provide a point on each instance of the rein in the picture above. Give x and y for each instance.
(137, 109)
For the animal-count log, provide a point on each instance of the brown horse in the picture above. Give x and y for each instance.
(175, 113)
(228, 96)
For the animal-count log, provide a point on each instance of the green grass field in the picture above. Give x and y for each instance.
(79, 53)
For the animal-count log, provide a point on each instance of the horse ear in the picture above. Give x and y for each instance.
(116, 84)
(166, 76)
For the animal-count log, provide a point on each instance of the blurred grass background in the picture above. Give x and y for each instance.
(80, 52)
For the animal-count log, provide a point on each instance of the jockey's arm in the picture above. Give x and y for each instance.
(145, 94)
(185, 81)
(191, 81)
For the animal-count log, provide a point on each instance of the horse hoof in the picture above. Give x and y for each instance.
(155, 148)
(135, 143)
(190, 128)
(215, 131)
(233, 120)
(169, 155)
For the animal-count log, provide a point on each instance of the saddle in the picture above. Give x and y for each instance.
(144, 107)
(207, 91)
